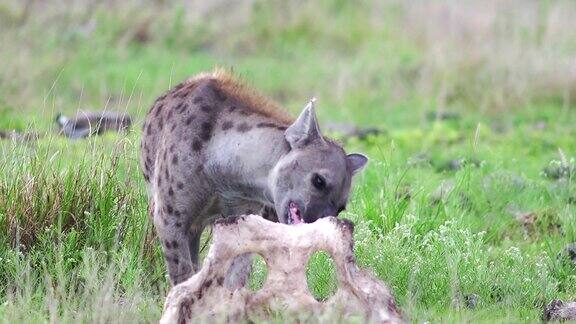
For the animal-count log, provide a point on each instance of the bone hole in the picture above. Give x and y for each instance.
(321, 275)
(259, 273)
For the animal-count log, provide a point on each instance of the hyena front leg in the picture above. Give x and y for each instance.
(239, 272)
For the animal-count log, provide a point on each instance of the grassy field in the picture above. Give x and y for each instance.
(469, 195)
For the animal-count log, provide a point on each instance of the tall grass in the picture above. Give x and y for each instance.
(76, 238)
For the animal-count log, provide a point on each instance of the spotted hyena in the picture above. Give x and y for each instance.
(213, 147)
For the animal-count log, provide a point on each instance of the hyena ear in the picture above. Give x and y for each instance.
(305, 129)
(356, 162)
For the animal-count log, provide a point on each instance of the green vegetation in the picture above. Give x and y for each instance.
(470, 189)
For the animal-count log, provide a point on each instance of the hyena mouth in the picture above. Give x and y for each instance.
(294, 215)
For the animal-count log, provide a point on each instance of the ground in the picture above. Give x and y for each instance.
(464, 209)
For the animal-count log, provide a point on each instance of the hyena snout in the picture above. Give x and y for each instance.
(315, 212)
(297, 212)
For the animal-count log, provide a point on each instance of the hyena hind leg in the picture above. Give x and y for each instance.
(174, 217)
(174, 239)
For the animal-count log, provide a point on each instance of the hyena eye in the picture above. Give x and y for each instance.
(318, 182)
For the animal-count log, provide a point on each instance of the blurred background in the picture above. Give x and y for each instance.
(465, 108)
(386, 62)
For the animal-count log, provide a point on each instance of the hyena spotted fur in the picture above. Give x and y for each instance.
(213, 147)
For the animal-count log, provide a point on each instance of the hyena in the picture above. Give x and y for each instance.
(213, 147)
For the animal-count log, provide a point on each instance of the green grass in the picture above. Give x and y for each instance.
(75, 240)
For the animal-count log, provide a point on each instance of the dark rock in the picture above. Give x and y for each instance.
(569, 253)
(142, 32)
(558, 171)
(563, 168)
(471, 301)
(500, 127)
(496, 293)
(559, 310)
(363, 133)
(404, 193)
(19, 137)
(442, 115)
(420, 160)
(348, 130)
(540, 125)
(86, 124)
(457, 164)
(536, 223)
(442, 192)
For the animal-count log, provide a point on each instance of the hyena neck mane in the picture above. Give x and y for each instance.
(239, 90)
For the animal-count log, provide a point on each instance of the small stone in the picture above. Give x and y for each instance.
(442, 192)
(442, 115)
(19, 137)
(404, 193)
(471, 301)
(540, 125)
(346, 130)
(527, 220)
(457, 164)
(419, 160)
(556, 172)
(561, 169)
(569, 252)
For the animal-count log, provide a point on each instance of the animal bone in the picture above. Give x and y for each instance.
(286, 250)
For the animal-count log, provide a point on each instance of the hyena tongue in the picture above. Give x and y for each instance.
(295, 214)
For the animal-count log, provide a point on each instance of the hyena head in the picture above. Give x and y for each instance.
(313, 179)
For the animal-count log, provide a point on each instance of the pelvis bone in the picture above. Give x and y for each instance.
(205, 298)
